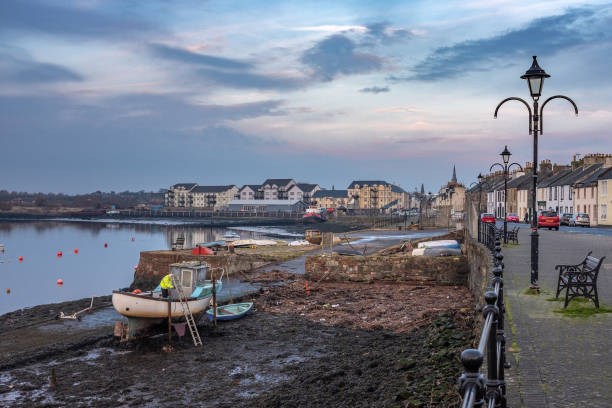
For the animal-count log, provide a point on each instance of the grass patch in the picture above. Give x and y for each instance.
(582, 309)
(530, 291)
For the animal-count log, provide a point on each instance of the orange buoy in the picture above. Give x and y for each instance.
(60, 282)
(137, 291)
(307, 289)
(76, 250)
(8, 291)
(20, 258)
(59, 253)
(105, 245)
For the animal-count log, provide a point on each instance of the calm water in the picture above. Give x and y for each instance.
(95, 270)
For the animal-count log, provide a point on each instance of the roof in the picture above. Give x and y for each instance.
(583, 173)
(331, 193)
(307, 186)
(368, 183)
(253, 187)
(606, 175)
(594, 176)
(186, 186)
(212, 189)
(554, 178)
(519, 181)
(397, 189)
(265, 202)
(278, 182)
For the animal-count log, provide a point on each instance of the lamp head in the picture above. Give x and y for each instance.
(535, 79)
(505, 155)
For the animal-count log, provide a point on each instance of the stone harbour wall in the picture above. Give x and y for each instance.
(447, 270)
(156, 264)
(479, 264)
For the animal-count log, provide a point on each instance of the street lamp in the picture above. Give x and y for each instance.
(535, 80)
(505, 158)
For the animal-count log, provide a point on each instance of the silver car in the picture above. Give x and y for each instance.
(580, 219)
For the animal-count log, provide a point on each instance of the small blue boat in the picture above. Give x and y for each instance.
(232, 311)
(213, 244)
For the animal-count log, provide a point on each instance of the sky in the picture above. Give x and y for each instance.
(118, 95)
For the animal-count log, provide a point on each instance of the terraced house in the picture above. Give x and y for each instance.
(331, 198)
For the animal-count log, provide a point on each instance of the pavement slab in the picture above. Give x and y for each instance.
(557, 361)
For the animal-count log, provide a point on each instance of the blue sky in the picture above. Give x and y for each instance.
(116, 95)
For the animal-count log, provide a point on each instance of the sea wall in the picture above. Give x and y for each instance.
(154, 265)
(451, 270)
(478, 264)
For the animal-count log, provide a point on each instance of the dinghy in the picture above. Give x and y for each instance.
(230, 312)
(448, 243)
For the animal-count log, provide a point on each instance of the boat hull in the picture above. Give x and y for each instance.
(144, 306)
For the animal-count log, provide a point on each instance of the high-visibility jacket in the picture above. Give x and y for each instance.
(166, 282)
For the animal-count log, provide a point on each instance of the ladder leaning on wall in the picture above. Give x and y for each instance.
(193, 329)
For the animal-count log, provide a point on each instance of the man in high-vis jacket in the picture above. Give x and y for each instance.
(165, 284)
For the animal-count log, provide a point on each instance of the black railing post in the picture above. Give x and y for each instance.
(471, 382)
(492, 356)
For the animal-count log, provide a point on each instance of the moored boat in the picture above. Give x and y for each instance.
(146, 309)
(312, 216)
(230, 312)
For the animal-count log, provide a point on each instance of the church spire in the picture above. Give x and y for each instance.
(454, 179)
(422, 189)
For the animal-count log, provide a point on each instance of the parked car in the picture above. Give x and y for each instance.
(486, 217)
(548, 219)
(581, 219)
(565, 219)
(512, 217)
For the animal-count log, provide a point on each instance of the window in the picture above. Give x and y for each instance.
(592, 192)
(562, 190)
(550, 189)
(604, 188)
(556, 188)
(569, 195)
(604, 211)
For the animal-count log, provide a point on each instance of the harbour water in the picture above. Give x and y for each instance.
(95, 270)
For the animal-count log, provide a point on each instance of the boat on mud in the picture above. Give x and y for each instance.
(230, 312)
(145, 310)
(313, 216)
(231, 236)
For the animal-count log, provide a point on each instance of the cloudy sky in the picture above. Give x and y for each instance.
(119, 94)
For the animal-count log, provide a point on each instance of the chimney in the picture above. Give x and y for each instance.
(545, 166)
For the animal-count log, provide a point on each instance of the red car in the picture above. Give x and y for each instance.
(511, 217)
(548, 219)
(486, 217)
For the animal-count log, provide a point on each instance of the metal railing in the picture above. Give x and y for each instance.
(475, 389)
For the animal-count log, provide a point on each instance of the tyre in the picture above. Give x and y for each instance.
(550, 228)
(556, 228)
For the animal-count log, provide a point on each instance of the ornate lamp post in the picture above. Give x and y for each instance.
(535, 80)
(505, 158)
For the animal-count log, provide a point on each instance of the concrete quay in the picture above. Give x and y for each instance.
(557, 361)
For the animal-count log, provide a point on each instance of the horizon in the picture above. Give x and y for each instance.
(141, 97)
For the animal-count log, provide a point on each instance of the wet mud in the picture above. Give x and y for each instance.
(290, 351)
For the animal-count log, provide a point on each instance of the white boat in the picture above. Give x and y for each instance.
(446, 243)
(231, 236)
(144, 310)
(254, 242)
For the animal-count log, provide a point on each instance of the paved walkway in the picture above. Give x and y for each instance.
(557, 361)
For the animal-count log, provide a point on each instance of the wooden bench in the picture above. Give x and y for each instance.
(178, 243)
(580, 280)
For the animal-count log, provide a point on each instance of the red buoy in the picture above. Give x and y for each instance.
(136, 268)
(21, 259)
(133, 239)
(60, 282)
(76, 250)
(59, 253)
(137, 291)
(8, 291)
(105, 245)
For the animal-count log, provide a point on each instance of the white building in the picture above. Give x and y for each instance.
(179, 195)
(217, 197)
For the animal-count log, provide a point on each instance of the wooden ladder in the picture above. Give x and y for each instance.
(193, 329)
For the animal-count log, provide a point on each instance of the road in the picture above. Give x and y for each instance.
(606, 231)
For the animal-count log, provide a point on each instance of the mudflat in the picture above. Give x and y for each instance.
(341, 345)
